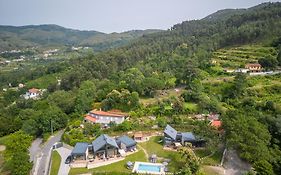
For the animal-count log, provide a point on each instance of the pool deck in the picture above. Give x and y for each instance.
(136, 165)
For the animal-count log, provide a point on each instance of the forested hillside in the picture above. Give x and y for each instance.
(180, 57)
(52, 35)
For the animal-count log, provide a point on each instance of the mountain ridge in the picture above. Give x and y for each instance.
(17, 37)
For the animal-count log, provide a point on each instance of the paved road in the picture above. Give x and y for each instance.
(44, 154)
(35, 149)
(64, 152)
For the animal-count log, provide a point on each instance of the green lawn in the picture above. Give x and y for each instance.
(118, 167)
(56, 159)
(153, 146)
(215, 159)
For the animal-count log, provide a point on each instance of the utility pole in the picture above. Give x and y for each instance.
(52, 132)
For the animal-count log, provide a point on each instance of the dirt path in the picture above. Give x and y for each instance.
(233, 165)
(2, 148)
(146, 154)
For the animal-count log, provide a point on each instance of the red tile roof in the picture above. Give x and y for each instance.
(90, 118)
(33, 90)
(138, 134)
(108, 113)
(216, 123)
(253, 65)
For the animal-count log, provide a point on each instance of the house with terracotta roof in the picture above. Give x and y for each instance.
(253, 67)
(138, 136)
(105, 117)
(33, 94)
(216, 123)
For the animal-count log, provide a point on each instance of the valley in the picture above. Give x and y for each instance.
(203, 97)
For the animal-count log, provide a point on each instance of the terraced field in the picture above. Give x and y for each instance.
(237, 57)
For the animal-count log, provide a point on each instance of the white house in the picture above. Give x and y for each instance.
(104, 117)
(241, 70)
(32, 94)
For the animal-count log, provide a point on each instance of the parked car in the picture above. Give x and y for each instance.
(57, 145)
(68, 160)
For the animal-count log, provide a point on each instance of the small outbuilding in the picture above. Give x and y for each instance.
(170, 135)
(126, 143)
(187, 137)
(80, 151)
(138, 136)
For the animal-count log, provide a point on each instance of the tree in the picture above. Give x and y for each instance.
(123, 100)
(268, 63)
(125, 126)
(85, 97)
(191, 161)
(238, 87)
(251, 137)
(16, 154)
(279, 58)
(64, 100)
(263, 168)
(134, 79)
(92, 129)
(150, 86)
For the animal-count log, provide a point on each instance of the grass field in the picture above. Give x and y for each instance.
(153, 146)
(56, 160)
(161, 95)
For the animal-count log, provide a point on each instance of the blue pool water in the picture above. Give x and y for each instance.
(153, 168)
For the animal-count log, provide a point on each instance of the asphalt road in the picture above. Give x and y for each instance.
(44, 153)
(35, 149)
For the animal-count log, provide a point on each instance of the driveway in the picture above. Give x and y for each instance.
(64, 152)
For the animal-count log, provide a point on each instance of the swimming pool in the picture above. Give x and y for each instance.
(144, 167)
(148, 168)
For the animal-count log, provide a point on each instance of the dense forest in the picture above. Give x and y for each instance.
(179, 57)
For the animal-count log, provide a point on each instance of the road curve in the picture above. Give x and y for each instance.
(43, 160)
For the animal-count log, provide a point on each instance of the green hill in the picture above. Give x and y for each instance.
(12, 37)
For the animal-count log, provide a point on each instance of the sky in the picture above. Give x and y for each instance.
(112, 15)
